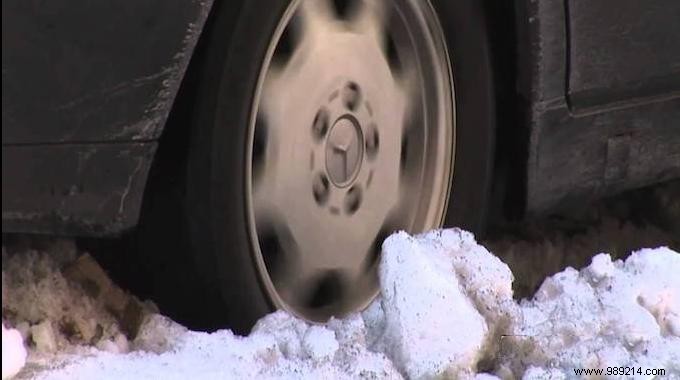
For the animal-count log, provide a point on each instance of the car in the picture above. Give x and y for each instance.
(253, 155)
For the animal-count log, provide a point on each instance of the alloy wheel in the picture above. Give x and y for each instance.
(352, 138)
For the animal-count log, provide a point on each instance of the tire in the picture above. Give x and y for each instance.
(464, 24)
(194, 240)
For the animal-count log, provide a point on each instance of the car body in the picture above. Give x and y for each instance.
(593, 102)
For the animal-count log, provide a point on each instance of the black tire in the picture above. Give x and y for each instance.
(193, 239)
(464, 25)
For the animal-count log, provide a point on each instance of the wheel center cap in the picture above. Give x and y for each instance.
(344, 151)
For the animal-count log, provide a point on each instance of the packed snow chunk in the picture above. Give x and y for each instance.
(601, 267)
(13, 352)
(51, 310)
(659, 290)
(354, 358)
(608, 314)
(319, 343)
(116, 345)
(286, 330)
(485, 279)
(426, 323)
(44, 337)
(158, 334)
(374, 320)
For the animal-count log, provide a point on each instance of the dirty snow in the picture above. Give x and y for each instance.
(539, 248)
(446, 309)
(51, 311)
(608, 314)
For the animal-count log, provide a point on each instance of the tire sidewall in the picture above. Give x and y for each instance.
(464, 25)
(216, 193)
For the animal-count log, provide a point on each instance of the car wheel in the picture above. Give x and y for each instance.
(319, 127)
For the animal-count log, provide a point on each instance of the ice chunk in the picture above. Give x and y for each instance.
(13, 352)
(319, 343)
(286, 330)
(43, 337)
(158, 334)
(117, 345)
(601, 266)
(431, 328)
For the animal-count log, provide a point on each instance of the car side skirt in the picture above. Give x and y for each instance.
(74, 189)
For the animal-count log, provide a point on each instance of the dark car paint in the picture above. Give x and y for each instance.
(65, 189)
(621, 51)
(602, 103)
(87, 89)
(80, 71)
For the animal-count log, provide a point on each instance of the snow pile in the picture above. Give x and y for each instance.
(439, 315)
(608, 314)
(446, 310)
(13, 352)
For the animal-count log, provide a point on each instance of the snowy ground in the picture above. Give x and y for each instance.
(620, 225)
(447, 309)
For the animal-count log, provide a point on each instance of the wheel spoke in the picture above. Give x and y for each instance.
(282, 106)
(372, 19)
(408, 87)
(392, 127)
(314, 18)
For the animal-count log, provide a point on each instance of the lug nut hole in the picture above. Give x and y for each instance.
(320, 124)
(351, 96)
(372, 141)
(353, 200)
(321, 188)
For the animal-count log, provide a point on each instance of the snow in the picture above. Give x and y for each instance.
(446, 310)
(52, 311)
(13, 352)
(319, 343)
(44, 337)
(620, 313)
(430, 323)
(148, 338)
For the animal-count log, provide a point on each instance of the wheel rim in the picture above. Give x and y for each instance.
(351, 138)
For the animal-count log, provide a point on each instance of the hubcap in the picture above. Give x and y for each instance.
(352, 139)
(344, 150)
